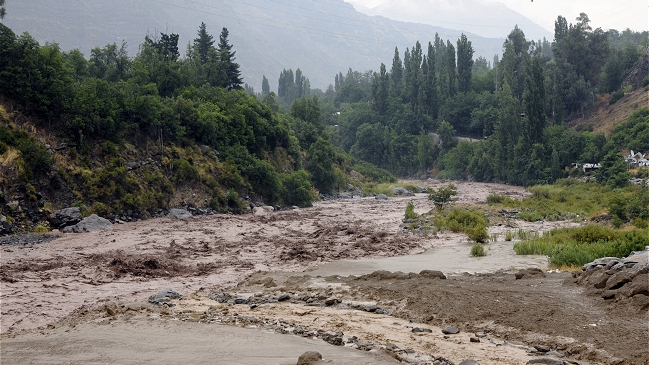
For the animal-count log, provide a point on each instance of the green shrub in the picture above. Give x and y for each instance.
(509, 235)
(477, 233)
(297, 189)
(477, 250)
(3, 147)
(184, 171)
(443, 196)
(615, 96)
(410, 211)
(41, 229)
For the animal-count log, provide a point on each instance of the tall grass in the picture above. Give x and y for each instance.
(578, 246)
(473, 223)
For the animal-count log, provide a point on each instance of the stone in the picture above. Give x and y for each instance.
(402, 191)
(618, 280)
(546, 361)
(332, 301)
(469, 362)
(309, 358)
(381, 197)
(598, 279)
(283, 297)
(164, 296)
(432, 274)
(542, 348)
(90, 224)
(179, 213)
(450, 330)
(241, 301)
(65, 217)
(421, 330)
(263, 210)
(480, 335)
(474, 339)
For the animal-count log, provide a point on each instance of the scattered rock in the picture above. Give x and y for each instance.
(283, 297)
(450, 330)
(179, 213)
(546, 361)
(542, 348)
(331, 301)
(469, 362)
(241, 301)
(90, 224)
(480, 335)
(474, 339)
(421, 330)
(433, 274)
(309, 358)
(164, 297)
(381, 197)
(403, 192)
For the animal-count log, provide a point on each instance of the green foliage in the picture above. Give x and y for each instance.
(615, 96)
(578, 246)
(184, 171)
(477, 250)
(297, 189)
(495, 198)
(320, 163)
(443, 196)
(410, 211)
(473, 223)
(36, 160)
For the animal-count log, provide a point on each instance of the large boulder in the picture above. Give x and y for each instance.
(5, 226)
(309, 358)
(65, 217)
(179, 213)
(402, 191)
(90, 224)
(263, 210)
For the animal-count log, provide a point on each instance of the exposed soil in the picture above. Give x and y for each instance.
(66, 279)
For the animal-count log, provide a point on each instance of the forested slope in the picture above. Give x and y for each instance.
(134, 136)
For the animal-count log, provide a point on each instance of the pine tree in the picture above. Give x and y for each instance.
(396, 74)
(233, 75)
(3, 12)
(464, 63)
(203, 43)
(431, 104)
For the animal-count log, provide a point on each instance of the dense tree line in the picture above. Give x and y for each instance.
(165, 99)
(516, 106)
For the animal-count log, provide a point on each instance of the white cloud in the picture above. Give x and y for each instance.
(606, 14)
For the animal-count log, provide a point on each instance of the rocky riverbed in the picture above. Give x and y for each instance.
(58, 289)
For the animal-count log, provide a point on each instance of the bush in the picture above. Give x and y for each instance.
(615, 96)
(410, 211)
(297, 189)
(443, 196)
(477, 233)
(184, 171)
(477, 250)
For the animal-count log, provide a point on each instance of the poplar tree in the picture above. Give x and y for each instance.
(265, 87)
(3, 12)
(464, 63)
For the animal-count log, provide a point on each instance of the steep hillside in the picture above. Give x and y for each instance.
(604, 115)
(320, 38)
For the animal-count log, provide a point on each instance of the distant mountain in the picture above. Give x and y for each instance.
(321, 37)
(488, 19)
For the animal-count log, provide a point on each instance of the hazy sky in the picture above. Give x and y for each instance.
(606, 14)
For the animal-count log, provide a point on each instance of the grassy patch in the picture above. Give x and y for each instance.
(578, 246)
(473, 223)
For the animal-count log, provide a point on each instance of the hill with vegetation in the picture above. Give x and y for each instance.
(133, 137)
(438, 110)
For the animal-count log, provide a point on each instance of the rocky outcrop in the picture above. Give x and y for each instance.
(65, 217)
(619, 279)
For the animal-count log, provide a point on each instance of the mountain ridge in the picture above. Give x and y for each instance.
(320, 38)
